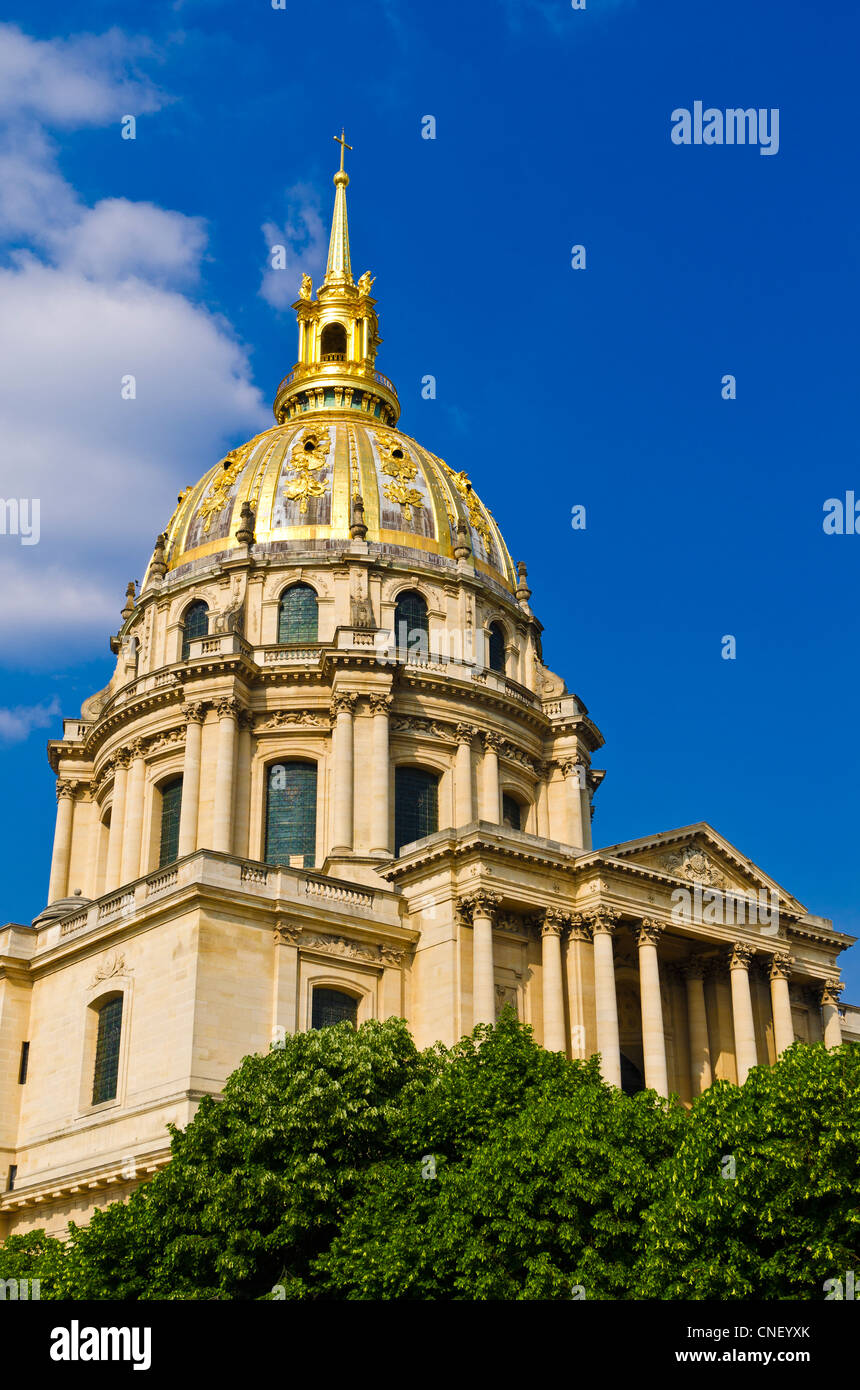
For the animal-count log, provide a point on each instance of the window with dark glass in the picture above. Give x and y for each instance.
(291, 813)
(416, 805)
(511, 813)
(13, 1173)
(195, 624)
(25, 1063)
(298, 614)
(333, 342)
(411, 626)
(497, 648)
(106, 1068)
(171, 805)
(333, 1006)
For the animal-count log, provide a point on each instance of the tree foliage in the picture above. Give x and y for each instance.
(347, 1164)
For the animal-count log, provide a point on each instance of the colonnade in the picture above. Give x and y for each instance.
(480, 909)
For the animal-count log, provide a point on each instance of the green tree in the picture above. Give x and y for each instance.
(764, 1193)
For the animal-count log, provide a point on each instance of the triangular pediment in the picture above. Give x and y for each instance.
(697, 854)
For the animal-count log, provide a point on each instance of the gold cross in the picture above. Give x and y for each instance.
(343, 146)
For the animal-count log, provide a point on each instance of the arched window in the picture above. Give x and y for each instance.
(411, 625)
(333, 343)
(512, 812)
(291, 813)
(497, 648)
(333, 1006)
(416, 805)
(195, 624)
(297, 614)
(106, 1068)
(171, 805)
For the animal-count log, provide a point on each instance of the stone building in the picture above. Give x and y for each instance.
(331, 777)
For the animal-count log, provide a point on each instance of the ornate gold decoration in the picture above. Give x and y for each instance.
(395, 464)
(477, 520)
(217, 496)
(308, 456)
(365, 282)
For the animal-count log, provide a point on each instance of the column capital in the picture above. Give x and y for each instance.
(137, 749)
(580, 927)
(480, 900)
(830, 992)
(552, 921)
(740, 955)
(194, 711)
(780, 966)
(67, 789)
(122, 759)
(571, 767)
(287, 933)
(492, 741)
(603, 920)
(381, 704)
(343, 702)
(464, 733)
(227, 707)
(649, 931)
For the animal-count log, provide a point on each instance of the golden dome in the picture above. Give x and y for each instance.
(300, 479)
(335, 442)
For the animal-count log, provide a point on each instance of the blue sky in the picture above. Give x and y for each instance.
(556, 387)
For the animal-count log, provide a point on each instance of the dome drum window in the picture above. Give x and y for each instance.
(298, 619)
(416, 805)
(195, 624)
(291, 814)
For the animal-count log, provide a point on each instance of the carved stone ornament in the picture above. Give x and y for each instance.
(341, 946)
(227, 707)
(649, 932)
(67, 789)
(553, 921)
(693, 864)
(343, 702)
(481, 901)
(287, 933)
(693, 968)
(830, 992)
(464, 733)
(780, 965)
(381, 704)
(740, 956)
(580, 927)
(112, 965)
(391, 956)
(284, 718)
(603, 919)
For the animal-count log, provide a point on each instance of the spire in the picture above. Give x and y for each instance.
(339, 267)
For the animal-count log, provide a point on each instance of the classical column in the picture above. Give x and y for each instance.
(573, 773)
(553, 924)
(380, 775)
(653, 1037)
(227, 709)
(189, 806)
(479, 908)
(783, 1024)
(58, 885)
(391, 984)
(132, 833)
(830, 993)
(580, 982)
(603, 922)
(492, 800)
(342, 708)
(117, 820)
(701, 1075)
(746, 1055)
(465, 810)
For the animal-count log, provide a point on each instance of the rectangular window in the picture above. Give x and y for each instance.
(25, 1062)
(13, 1173)
(107, 1051)
(171, 806)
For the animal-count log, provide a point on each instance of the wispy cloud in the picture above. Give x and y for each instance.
(18, 723)
(557, 14)
(302, 234)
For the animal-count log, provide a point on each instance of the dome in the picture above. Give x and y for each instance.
(301, 478)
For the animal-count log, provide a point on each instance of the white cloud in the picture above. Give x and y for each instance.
(88, 296)
(304, 238)
(18, 723)
(89, 79)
